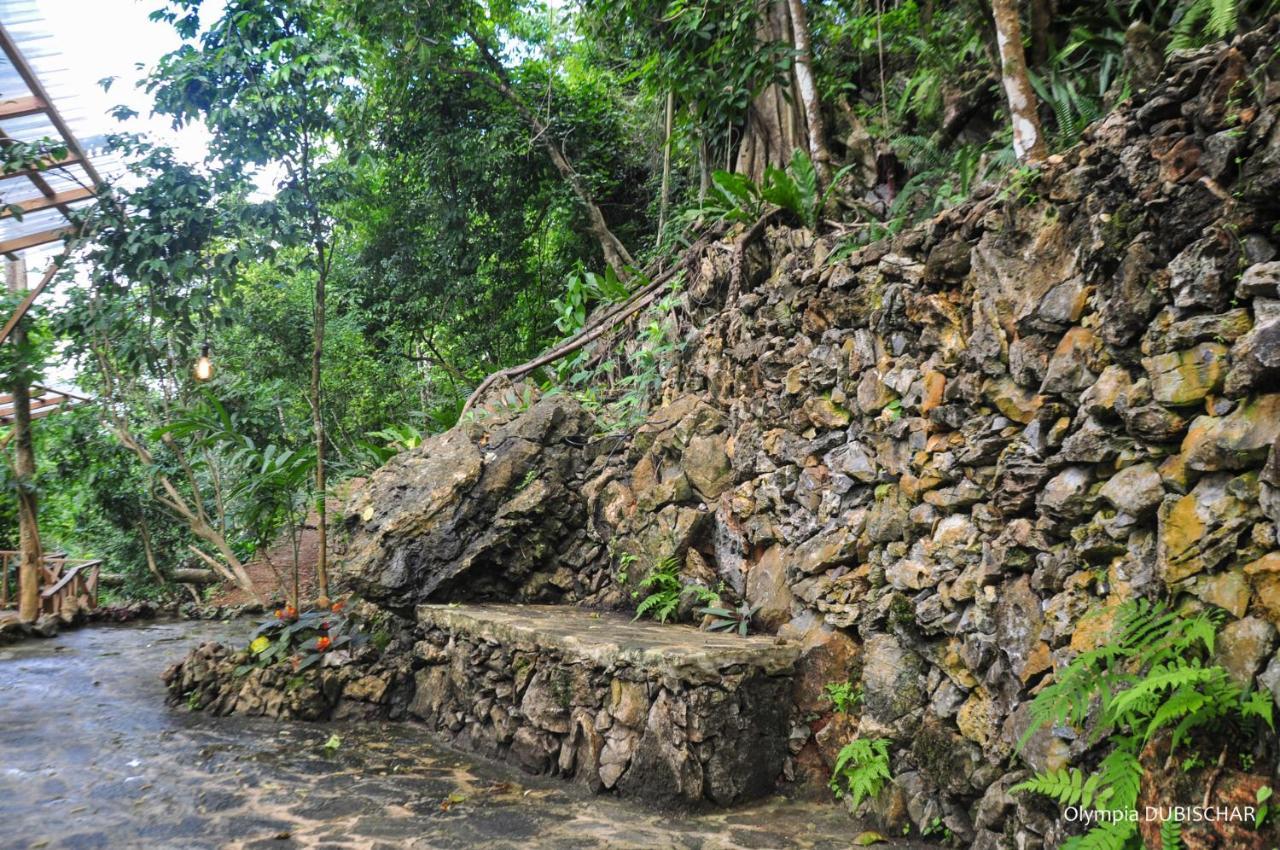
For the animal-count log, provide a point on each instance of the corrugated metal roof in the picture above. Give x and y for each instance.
(35, 37)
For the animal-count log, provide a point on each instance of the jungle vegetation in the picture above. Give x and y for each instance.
(403, 197)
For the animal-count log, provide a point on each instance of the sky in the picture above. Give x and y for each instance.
(108, 38)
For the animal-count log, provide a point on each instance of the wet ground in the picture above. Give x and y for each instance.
(91, 757)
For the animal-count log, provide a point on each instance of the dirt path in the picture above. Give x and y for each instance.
(90, 757)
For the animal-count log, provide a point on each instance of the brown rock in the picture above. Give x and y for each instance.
(1236, 441)
(768, 588)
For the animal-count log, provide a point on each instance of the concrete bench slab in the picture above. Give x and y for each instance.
(662, 712)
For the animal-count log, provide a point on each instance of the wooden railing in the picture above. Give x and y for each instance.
(61, 578)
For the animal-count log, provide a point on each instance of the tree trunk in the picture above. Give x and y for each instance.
(665, 200)
(30, 556)
(776, 123)
(144, 530)
(808, 90)
(1028, 140)
(322, 529)
(615, 253)
(1040, 19)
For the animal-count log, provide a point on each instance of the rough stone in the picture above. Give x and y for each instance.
(1181, 378)
(1135, 490)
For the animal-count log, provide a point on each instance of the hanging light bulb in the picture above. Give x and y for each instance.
(204, 366)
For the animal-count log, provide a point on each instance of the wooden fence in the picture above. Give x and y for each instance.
(61, 578)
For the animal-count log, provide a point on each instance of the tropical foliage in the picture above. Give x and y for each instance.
(403, 197)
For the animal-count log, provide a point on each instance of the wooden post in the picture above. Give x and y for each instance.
(25, 467)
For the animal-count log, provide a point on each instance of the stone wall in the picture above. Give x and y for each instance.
(927, 461)
(663, 713)
(687, 718)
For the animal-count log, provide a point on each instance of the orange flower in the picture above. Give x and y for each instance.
(336, 607)
(279, 613)
(290, 612)
(323, 643)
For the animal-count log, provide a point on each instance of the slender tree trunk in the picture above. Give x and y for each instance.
(666, 163)
(1040, 19)
(704, 167)
(1028, 140)
(144, 531)
(30, 555)
(808, 90)
(615, 253)
(322, 535)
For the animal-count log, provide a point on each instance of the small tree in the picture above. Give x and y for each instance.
(161, 261)
(268, 79)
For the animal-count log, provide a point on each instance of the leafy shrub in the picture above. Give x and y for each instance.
(304, 638)
(1152, 677)
(735, 197)
(862, 769)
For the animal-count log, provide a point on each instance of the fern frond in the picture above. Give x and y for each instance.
(1223, 18)
(1112, 835)
(1122, 777)
(1068, 786)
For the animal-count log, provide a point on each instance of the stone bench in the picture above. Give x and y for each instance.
(663, 712)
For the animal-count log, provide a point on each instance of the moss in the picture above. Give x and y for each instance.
(901, 611)
(562, 687)
(936, 754)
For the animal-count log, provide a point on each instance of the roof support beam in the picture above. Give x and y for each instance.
(58, 199)
(45, 164)
(36, 87)
(33, 239)
(20, 107)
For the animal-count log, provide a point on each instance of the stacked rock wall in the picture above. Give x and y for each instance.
(930, 460)
(660, 713)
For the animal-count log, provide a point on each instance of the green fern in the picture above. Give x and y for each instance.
(1171, 834)
(861, 769)
(1151, 676)
(1203, 21)
(1068, 786)
(1121, 781)
(1109, 835)
(664, 582)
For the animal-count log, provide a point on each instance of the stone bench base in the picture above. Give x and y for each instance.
(662, 712)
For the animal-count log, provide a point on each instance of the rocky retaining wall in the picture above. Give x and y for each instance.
(662, 713)
(928, 461)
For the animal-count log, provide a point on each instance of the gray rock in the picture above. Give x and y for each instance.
(1255, 361)
(1135, 490)
(1242, 646)
(1066, 495)
(455, 518)
(1261, 280)
(891, 679)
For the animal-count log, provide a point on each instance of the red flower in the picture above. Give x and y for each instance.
(323, 643)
